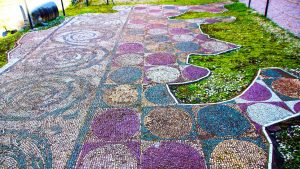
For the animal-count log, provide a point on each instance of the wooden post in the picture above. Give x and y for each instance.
(28, 15)
(62, 6)
(267, 8)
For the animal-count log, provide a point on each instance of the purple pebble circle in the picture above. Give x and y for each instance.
(194, 73)
(257, 92)
(116, 125)
(161, 59)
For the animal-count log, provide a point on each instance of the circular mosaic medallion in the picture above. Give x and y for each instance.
(122, 95)
(158, 94)
(109, 156)
(157, 38)
(83, 37)
(161, 59)
(21, 149)
(288, 87)
(69, 58)
(131, 48)
(129, 59)
(187, 46)
(183, 38)
(297, 107)
(168, 122)
(263, 113)
(116, 125)
(163, 74)
(172, 155)
(238, 154)
(222, 120)
(257, 92)
(41, 96)
(157, 31)
(215, 46)
(194, 72)
(126, 75)
(179, 31)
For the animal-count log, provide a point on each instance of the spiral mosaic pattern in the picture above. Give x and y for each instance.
(222, 120)
(116, 125)
(172, 155)
(83, 37)
(21, 149)
(168, 122)
(69, 58)
(41, 96)
(238, 154)
(163, 74)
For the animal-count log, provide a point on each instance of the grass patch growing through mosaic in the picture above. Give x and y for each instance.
(263, 45)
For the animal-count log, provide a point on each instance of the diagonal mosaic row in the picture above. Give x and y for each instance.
(92, 93)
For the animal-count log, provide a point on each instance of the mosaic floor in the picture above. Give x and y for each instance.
(92, 93)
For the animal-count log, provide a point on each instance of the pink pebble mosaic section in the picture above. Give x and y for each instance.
(91, 95)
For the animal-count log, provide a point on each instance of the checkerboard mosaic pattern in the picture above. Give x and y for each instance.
(92, 93)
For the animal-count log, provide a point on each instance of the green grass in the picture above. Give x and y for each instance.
(81, 8)
(263, 45)
(8, 42)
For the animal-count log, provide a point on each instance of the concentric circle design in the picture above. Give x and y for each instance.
(257, 92)
(21, 149)
(159, 94)
(122, 95)
(131, 48)
(238, 154)
(263, 113)
(172, 155)
(222, 120)
(288, 87)
(69, 58)
(194, 73)
(163, 74)
(83, 37)
(161, 59)
(116, 125)
(129, 59)
(126, 75)
(41, 96)
(168, 122)
(109, 156)
(187, 46)
(215, 46)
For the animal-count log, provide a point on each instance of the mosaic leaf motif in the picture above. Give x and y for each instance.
(93, 93)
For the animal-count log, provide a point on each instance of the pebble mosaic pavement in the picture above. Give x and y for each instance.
(92, 93)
